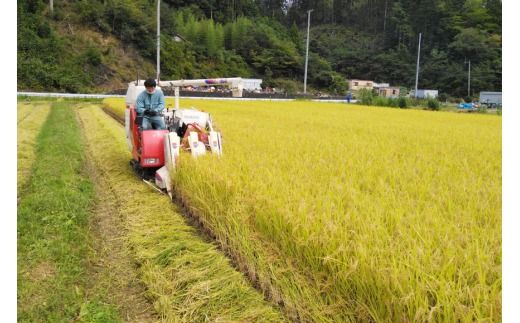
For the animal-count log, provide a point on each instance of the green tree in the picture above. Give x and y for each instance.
(400, 30)
(469, 43)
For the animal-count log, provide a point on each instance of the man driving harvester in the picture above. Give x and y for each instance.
(149, 105)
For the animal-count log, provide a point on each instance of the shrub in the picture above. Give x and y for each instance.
(392, 102)
(457, 100)
(443, 97)
(338, 84)
(402, 102)
(92, 56)
(366, 97)
(482, 109)
(379, 101)
(433, 104)
(286, 85)
(44, 30)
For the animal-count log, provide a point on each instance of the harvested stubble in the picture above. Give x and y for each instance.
(187, 278)
(30, 118)
(375, 214)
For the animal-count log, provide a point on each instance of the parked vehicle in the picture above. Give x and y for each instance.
(468, 107)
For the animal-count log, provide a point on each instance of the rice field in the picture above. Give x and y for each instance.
(351, 213)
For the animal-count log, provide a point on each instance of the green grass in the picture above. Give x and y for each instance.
(53, 238)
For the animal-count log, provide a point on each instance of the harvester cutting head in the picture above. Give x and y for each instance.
(156, 153)
(196, 133)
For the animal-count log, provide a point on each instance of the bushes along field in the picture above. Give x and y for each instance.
(357, 213)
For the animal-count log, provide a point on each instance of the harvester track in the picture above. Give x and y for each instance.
(114, 115)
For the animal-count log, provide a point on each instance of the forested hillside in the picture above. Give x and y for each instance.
(98, 45)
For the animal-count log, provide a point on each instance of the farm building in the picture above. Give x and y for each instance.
(389, 92)
(381, 85)
(490, 99)
(423, 94)
(356, 85)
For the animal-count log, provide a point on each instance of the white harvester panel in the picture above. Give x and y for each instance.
(193, 116)
(197, 148)
(215, 142)
(175, 144)
(171, 153)
(171, 150)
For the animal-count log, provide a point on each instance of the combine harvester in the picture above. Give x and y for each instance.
(155, 153)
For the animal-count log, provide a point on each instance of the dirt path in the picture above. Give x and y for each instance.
(112, 267)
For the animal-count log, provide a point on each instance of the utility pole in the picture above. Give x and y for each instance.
(158, 39)
(469, 78)
(417, 69)
(51, 5)
(307, 51)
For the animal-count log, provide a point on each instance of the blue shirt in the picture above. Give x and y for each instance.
(153, 102)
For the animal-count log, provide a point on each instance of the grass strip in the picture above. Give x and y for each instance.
(187, 277)
(30, 118)
(53, 229)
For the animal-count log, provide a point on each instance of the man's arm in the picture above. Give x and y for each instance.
(160, 101)
(139, 104)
